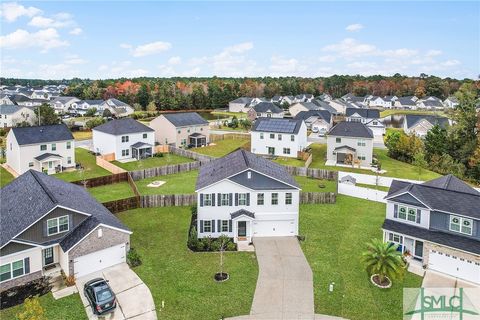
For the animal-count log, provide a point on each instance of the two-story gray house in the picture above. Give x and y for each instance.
(438, 224)
(369, 117)
(48, 225)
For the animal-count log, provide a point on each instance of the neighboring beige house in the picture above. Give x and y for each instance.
(12, 115)
(265, 110)
(186, 129)
(421, 124)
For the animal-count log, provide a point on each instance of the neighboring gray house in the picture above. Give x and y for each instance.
(350, 143)
(421, 124)
(409, 102)
(63, 104)
(242, 104)
(181, 129)
(369, 117)
(117, 108)
(5, 99)
(318, 121)
(438, 224)
(49, 226)
(431, 103)
(265, 110)
(451, 102)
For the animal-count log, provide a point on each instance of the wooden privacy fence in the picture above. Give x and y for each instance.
(101, 181)
(102, 161)
(313, 173)
(318, 197)
(234, 136)
(167, 200)
(164, 170)
(120, 205)
(190, 154)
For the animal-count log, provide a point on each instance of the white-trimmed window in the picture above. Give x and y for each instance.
(272, 135)
(395, 238)
(207, 199)
(145, 136)
(242, 199)
(224, 226)
(125, 153)
(292, 137)
(57, 225)
(286, 150)
(43, 147)
(207, 226)
(261, 135)
(338, 140)
(361, 143)
(69, 144)
(225, 200)
(125, 138)
(361, 157)
(288, 198)
(461, 225)
(30, 164)
(260, 199)
(69, 160)
(12, 270)
(279, 137)
(54, 146)
(274, 198)
(406, 213)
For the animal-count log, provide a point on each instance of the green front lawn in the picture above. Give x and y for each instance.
(312, 185)
(394, 168)
(294, 162)
(221, 147)
(5, 177)
(91, 170)
(70, 307)
(153, 162)
(335, 239)
(389, 112)
(183, 279)
(82, 135)
(112, 192)
(178, 183)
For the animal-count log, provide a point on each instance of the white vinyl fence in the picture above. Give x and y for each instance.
(360, 192)
(372, 180)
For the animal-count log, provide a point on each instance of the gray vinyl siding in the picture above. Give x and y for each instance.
(407, 199)
(14, 247)
(36, 233)
(441, 221)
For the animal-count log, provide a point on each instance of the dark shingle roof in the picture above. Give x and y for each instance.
(123, 126)
(41, 134)
(237, 162)
(365, 113)
(267, 106)
(412, 119)
(432, 103)
(351, 129)
(184, 119)
(47, 155)
(33, 194)
(408, 101)
(242, 212)
(9, 108)
(322, 105)
(309, 105)
(304, 115)
(244, 100)
(290, 126)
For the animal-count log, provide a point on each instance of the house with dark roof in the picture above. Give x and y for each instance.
(117, 108)
(295, 108)
(265, 110)
(350, 143)
(182, 129)
(12, 115)
(451, 102)
(243, 196)
(22, 100)
(430, 103)
(318, 121)
(420, 124)
(82, 106)
(5, 99)
(49, 226)
(278, 137)
(49, 149)
(437, 225)
(369, 117)
(63, 104)
(124, 139)
(241, 104)
(408, 102)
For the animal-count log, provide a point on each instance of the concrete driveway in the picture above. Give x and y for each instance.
(134, 300)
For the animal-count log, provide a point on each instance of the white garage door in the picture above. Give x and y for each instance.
(454, 266)
(99, 260)
(274, 228)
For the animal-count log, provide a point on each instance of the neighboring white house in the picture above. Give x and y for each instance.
(242, 104)
(421, 124)
(244, 196)
(389, 101)
(63, 104)
(278, 137)
(375, 101)
(12, 115)
(430, 104)
(451, 102)
(265, 110)
(126, 138)
(318, 121)
(48, 149)
(82, 106)
(408, 102)
(369, 117)
(5, 99)
(117, 108)
(350, 143)
(298, 107)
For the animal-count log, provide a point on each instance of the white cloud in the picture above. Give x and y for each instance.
(44, 39)
(450, 63)
(120, 69)
(10, 11)
(350, 48)
(76, 31)
(354, 27)
(284, 66)
(433, 53)
(231, 61)
(75, 59)
(148, 48)
(327, 59)
(59, 20)
(174, 60)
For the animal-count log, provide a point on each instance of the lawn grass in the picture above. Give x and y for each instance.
(239, 115)
(380, 188)
(178, 183)
(389, 112)
(335, 239)
(184, 279)
(112, 192)
(82, 135)
(153, 162)
(394, 168)
(70, 307)
(312, 185)
(5, 177)
(91, 170)
(294, 162)
(221, 147)
(226, 128)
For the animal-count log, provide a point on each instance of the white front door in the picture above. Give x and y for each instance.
(99, 260)
(273, 228)
(454, 266)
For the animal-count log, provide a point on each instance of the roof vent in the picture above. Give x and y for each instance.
(249, 175)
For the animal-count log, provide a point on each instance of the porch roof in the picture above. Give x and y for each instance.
(46, 156)
(345, 147)
(141, 145)
(197, 135)
(242, 212)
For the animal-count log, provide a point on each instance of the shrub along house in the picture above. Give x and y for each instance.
(243, 196)
(50, 225)
(437, 223)
(181, 129)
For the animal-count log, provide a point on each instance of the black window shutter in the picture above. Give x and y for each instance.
(230, 199)
(219, 199)
(219, 225)
(395, 211)
(213, 225)
(213, 199)
(419, 215)
(201, 200)
(26, 265)
(248, 199)
(70, 222)
(45, 231)
(230, 225)
(236, 199)
(201, 226)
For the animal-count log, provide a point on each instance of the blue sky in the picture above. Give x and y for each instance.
(126, 39)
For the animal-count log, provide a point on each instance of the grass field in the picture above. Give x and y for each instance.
(152, 162)
(312, 184)
(5, 177)
(183, 279)
(82, 135)
(179, 183)
(112, 192)
(239, 115)
(221, 147)
(290, 162)
(335, 239)
(91, 170)
(389, 112)
(394, 168)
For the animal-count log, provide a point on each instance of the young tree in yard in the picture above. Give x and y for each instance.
(32, 310)
(383, 259)
(151, 106)
(92, 123)
(106, 113)
(46, 115)
(420, 162)
(91, 112)
(435, 142)
(392, 140)
(245, 124)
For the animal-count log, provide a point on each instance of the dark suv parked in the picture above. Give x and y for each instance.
(101, 297)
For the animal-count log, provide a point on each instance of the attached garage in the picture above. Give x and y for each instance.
(274, 228)
(99, 260)
(454, 266)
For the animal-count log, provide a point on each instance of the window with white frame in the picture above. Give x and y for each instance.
(207, 226)
(242, 199)
(286, 150)
(261, 135)
(224, 226)
(361, 143)
(54, 146)
(395, 238)
(69, 144)
(461, 225)
(125, 153)
(57, 225)
(272, 135)
(288, 198)
(279, 137)
(12, 270)
(274, 198)
(207, 199)
(69, 160)
(125, 138)
(145, 136)
(338, 140)
(361, 156)
(30, 164)
(224, 198)
(43, 147)
(406, 213)
(260, 199)
(292, 137)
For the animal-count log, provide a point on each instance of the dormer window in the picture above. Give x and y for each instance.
(57, 225)
(461, 225)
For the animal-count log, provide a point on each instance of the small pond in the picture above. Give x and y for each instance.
(394, 121)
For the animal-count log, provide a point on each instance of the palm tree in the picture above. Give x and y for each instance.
(382, 258)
